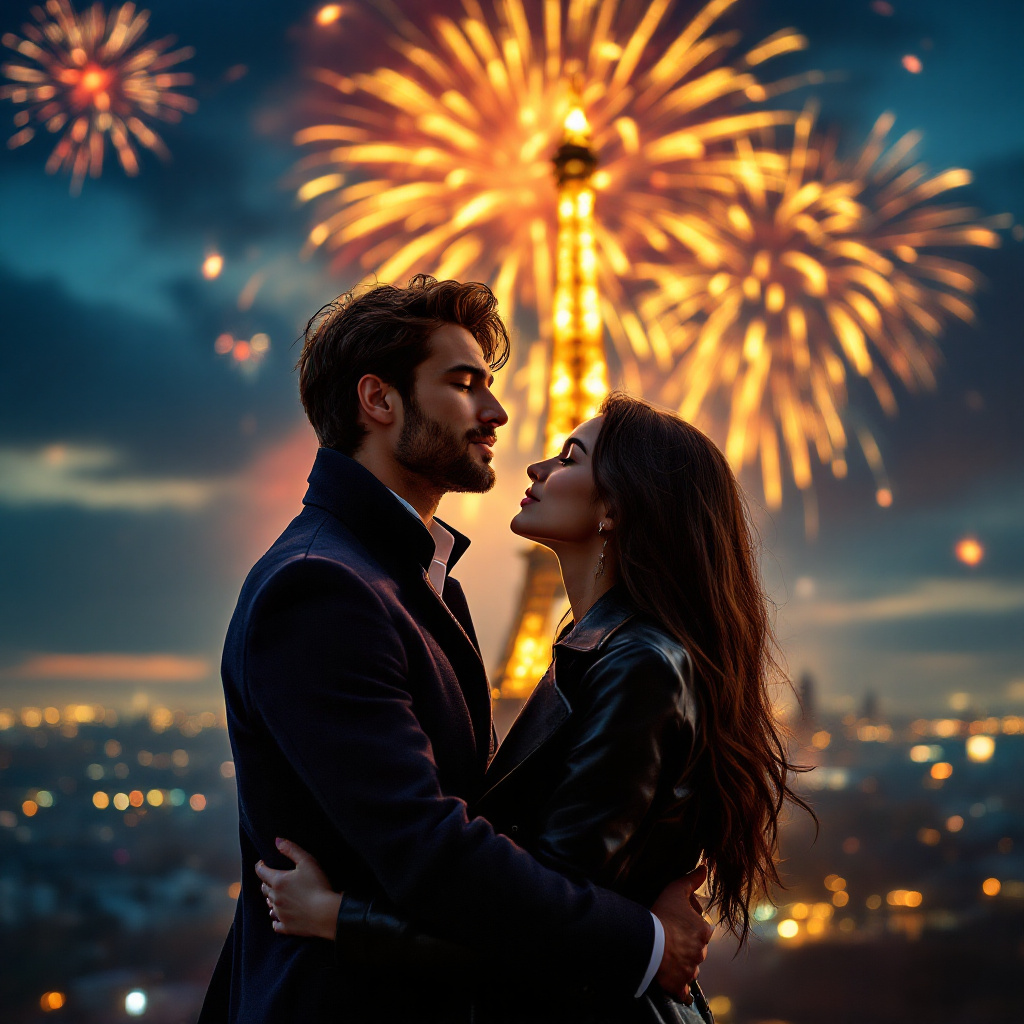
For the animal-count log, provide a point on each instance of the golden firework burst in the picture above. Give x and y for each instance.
(89, 77)
(812, 272)
(444, 162)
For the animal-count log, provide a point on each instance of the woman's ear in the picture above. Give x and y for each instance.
(608, 518)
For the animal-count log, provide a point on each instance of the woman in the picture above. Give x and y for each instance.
(650, 742)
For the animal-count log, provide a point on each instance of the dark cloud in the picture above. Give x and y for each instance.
(209, 189)
(77, 581)
(97, 374)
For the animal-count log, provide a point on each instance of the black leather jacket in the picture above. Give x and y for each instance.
(596, 778)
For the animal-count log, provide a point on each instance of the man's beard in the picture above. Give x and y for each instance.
(432, 450)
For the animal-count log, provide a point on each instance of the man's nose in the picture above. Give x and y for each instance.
(494, 412)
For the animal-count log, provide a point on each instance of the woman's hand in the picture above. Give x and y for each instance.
(301, 900)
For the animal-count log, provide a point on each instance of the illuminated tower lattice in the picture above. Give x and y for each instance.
(578, 383)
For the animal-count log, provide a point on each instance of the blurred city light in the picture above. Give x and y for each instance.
(328, 14)
(969, 550)
(904, 898)
(135, 1003)
(980, 748)
(212, 266)
(50, 1001)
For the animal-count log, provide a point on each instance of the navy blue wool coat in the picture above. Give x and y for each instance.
(359, 718)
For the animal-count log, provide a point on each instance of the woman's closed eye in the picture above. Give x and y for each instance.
(567, 459)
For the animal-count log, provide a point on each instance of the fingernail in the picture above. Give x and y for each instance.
(279, 843)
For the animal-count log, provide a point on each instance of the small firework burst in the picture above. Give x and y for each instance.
(812, 272)
(90, 77)
(442, 162)
(244, 353)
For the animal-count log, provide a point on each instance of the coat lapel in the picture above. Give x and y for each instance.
(459, 645)
(549, 706)
(542, 716)
(404, 547)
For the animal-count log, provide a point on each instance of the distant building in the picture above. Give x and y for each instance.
(869, 709)
(808, 701)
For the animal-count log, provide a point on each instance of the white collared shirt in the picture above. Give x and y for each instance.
(444, 541)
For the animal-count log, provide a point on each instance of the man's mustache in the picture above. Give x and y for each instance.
(478, 438)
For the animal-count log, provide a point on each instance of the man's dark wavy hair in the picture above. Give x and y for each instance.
(385, 331)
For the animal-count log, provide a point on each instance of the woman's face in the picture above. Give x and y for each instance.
(561, 504)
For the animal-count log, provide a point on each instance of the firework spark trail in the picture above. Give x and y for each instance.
(444, 164)
(90, 76)
(812, 272)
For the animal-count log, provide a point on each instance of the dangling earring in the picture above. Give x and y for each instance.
(599, 571)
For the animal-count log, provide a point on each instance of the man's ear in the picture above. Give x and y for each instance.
(379, 401)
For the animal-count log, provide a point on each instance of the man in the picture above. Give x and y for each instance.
(358, 706)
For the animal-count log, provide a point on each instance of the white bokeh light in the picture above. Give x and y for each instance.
(135, 1003)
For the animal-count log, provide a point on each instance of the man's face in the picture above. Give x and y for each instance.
(451, 419)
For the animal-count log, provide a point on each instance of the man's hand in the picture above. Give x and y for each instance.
(687, 934)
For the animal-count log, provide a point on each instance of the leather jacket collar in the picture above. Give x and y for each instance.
(351, 492)
(602, 620)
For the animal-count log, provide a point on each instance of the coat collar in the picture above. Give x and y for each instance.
(351, 492)
(550, 705)
(604, 617)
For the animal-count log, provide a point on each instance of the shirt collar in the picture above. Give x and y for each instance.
(343, 487)
(444, 542)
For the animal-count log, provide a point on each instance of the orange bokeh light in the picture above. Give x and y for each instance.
(913, 64)
(51, 1001)
(328, 14)
(969, 551)
(241, 351)
(212, 266)
(884, 497)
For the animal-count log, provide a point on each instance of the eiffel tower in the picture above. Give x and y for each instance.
(578, 383)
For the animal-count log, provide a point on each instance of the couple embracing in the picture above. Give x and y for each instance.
(406, 867)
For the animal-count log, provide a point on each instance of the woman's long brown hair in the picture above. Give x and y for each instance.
(686, 557)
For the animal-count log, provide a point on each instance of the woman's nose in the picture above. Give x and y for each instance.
(533, 472)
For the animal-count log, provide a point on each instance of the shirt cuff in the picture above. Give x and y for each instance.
(656, 954)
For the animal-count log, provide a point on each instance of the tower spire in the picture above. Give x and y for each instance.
(578, 383)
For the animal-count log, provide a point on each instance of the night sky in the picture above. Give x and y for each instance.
(141, 473)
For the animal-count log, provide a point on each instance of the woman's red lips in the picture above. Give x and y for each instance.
(528, 500)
